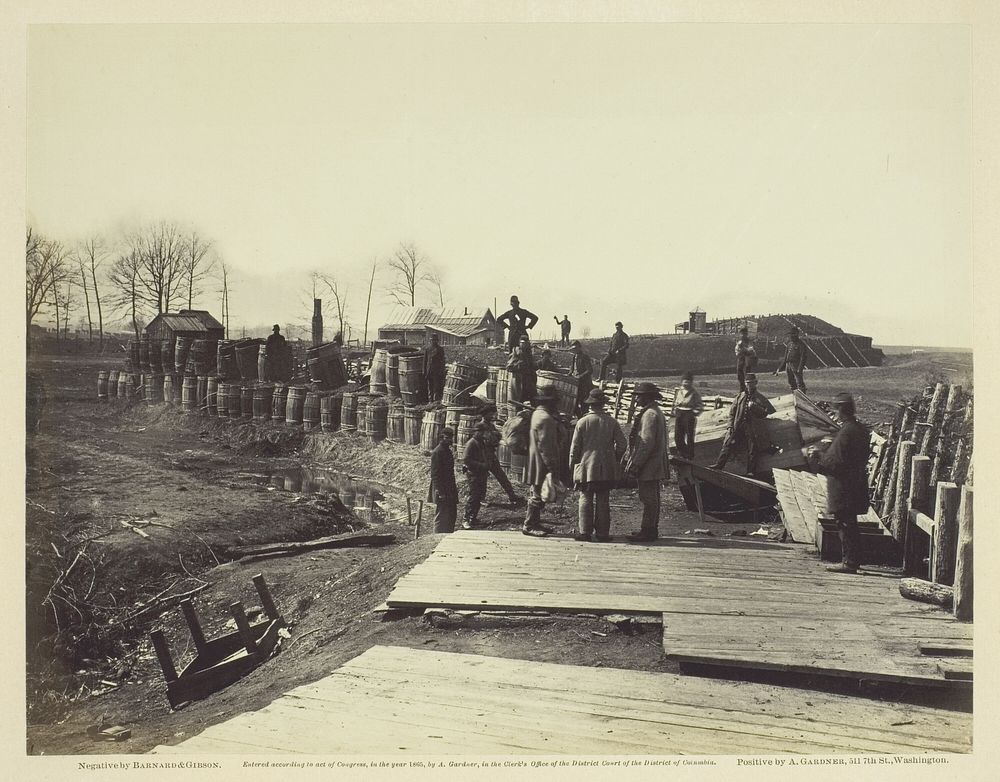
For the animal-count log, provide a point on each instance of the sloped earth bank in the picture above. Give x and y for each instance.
(99, 474)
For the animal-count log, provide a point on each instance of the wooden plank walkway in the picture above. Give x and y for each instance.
(721, 601)
(801, 524)
(393, 700)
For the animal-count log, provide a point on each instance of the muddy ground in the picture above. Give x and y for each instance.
(129, 506)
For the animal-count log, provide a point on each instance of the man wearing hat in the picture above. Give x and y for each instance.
(594, 457)
(434, 369)
(583, 369)
(647, 459)
(443, 491)
(274, 353)
(616, 352)
(794, 361)
(491, 441)
(476, 467)
(746, 357)
(543, 457)
(746, 426)
(845, 463)
(517, 321)
(521, 366)
(564, 327)
(545, 362)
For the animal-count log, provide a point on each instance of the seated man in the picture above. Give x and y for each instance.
(616, 353)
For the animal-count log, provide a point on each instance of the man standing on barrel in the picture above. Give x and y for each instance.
(275, 356)
(845, 463)
(434, 369)
(517, 321)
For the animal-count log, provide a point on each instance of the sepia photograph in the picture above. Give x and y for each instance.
(558, 393)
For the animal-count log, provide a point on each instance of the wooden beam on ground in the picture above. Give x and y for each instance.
(297, 547)
(926, 591)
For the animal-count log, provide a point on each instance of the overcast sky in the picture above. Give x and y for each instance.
(608, 172)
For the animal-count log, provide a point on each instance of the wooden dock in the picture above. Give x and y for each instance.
(401, 701)
(756, 605)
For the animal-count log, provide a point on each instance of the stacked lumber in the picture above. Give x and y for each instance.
(621, 400)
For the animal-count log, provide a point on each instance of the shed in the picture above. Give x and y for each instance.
(453, 325)
(187, 323)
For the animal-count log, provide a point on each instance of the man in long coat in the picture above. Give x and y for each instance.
(475, 464)
(442, 490)
(647, 460)
(595, 464)
(845, 463)
(521, 365)
(582, 368)
(543, 457)
(794, 361)
(746, 426)
(746, 357)
(434, 369)
(517, 321)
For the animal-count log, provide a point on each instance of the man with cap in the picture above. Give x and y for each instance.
(545, 362)
(746, 426)
(845, 463)
(746, 357)
(794, 361)
(517, 322)
(564, 327)
(616, 352)
(521, 365)
(434, 369)
(647, 459)
(274, 354)
(594, 457)
(687, 408)
(476, 467)
(543, 457)
(582, 368)
(491, 441)
(442, 491)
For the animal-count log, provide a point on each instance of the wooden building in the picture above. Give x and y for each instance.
(198, 324)
(453, 325)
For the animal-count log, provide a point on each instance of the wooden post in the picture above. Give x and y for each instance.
(265, 597)
(697, 496)
(243, 626)
(900, 509)
(963, 560)
(193, 625)
(420, 515)
(945, 533)
(920, 470)
(163, 655)
(934, 413)
(409, 511)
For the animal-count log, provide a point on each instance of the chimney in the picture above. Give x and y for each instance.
(317, 322)
(466, 310)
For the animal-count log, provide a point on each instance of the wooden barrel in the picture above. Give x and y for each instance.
(310, 411)
(133, 355)
(182, 348)
(362, 412)
(453, 416)
(247, 354)
(212, 396)
(167, 355)
(503, 456)
(189, 394)
(376, 419)
(131, 386)
(491, 383)
(225, 360)
(376, 384)
(144, 354)
(153, 389)
(122, 384)
(329, 412)
(349, 412)
(392, 377)
(102, 385)
(430, 429)
(518, 461)
(326, 365)
(112, 383)
(412, 419)
(279, 401)
(566, 387)
(203, 358)
(156, 357)
(202, 397)
(460, 377)
(466, 429)
(262, 373)
(503, 389)
(396, 426)
(235, 401)
(168, 389)
(246, 402)
(222, 399)
(293, 407)
(263, 398)
(412, 383)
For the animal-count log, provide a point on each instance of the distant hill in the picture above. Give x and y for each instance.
(895, 350)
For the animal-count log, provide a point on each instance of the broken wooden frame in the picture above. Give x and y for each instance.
(223, 660)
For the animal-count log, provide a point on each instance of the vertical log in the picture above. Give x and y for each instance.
(265, 597)
(919, 490)
(163, 655)
(934, 414)
(900, 509)
(193, 625)
(963, 559)
(243, 626)
(963, 455)
(945, 533)
(941, 451)
(905, 427)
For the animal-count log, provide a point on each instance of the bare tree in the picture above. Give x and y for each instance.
(224, 290)
(46, 269)
(124, 277)
(436, 278)
(93, 254)
(339, 293)
(85, 286)
(196, 264)
(368, 307)
(63, 303)
(160, 250)
(411, 269)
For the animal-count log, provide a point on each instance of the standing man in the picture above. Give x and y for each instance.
(476, 468)
(517, 321)
(521, 365)
(746, 426)
(564, 327)
(648, 459)
(846, 465)
(583, 369)
(616, 352)
(443, 492)
(687, 407)
(794, 361)
(543, 458)
(491, 441)
(594, 458)
(746, 357)
(434, 369)
(274, 353)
